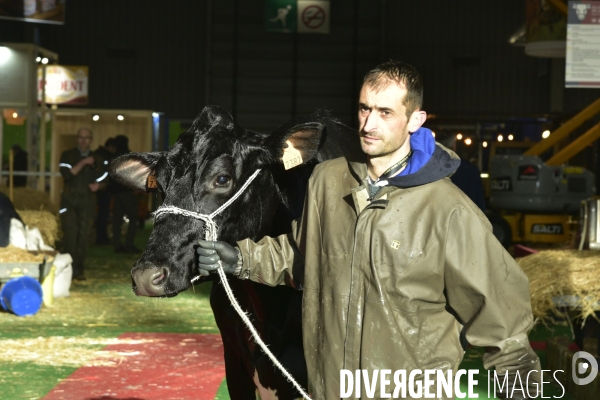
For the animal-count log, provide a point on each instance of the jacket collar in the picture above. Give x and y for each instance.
(443, 163)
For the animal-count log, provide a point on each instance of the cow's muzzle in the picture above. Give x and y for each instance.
(150, 280)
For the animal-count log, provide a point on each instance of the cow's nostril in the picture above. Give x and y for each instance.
(159, 277)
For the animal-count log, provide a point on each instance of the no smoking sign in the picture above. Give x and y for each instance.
(313, 16)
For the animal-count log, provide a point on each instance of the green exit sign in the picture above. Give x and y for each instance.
(281, 15)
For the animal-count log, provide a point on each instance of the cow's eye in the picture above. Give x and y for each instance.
(222, 180)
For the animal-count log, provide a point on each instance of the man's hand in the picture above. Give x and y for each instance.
(209, 254)
(89, 160)
(94, 186)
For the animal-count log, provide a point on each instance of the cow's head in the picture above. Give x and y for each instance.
(581, 10)
(206, 166)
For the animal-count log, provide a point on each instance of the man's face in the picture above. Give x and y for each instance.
(383, 124)
(84, 140)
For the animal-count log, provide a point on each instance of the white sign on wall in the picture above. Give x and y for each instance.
(64, 84)
(582, 68)
(313, 16)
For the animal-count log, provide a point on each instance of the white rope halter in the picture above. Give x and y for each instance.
(211, 225)
(211, 235)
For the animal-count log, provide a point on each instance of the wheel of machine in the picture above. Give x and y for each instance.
(589, 330)
(501, 228)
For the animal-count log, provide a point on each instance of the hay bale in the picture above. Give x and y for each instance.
(554, 273)
(46, 222)
(12, 254)
(25, 198)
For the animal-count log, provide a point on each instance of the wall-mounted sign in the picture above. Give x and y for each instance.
(43, 11)
(280, 15)
(313, 16)
(302, 16)
(582, 68)
(64, 84)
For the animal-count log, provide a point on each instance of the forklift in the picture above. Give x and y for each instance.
(539, 202)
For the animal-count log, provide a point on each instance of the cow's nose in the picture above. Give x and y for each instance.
(149, 280)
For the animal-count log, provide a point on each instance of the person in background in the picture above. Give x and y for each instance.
(20, 163)
(83, 174)
(124, 204)
(394, 261)
(107, 152)
(468, 176)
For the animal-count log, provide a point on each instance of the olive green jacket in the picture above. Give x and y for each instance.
(391, 283)
(78, 185)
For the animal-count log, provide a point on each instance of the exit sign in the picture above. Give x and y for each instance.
(302, 16)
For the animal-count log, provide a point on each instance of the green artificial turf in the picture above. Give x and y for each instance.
(222, 393)
(103, 306)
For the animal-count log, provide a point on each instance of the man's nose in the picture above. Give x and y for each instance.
(370, 122)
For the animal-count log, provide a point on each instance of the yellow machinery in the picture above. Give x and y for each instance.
(537, 200)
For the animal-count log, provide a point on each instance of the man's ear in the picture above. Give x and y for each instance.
(135, 170)
(297, 144)
(416, 120)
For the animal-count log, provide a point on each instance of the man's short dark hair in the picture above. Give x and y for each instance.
(402, 74)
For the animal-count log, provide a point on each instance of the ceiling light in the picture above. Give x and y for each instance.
(44, 60)
(545, 134)
(484, 144)
(120, 117)
(96, 117)
(459, 136)
(468, 141)
(5, 54)
(510, 137)
(500, 138)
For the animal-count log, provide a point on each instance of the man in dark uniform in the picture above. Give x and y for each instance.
(83, 173)
(124, 204)
(20, 164)
(107, 152)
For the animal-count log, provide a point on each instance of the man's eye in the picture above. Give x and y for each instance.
(222, 180)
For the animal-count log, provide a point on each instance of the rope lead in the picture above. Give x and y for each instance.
(211, 234)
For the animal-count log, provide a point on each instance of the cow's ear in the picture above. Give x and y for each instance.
(297, 145)
(135, 170)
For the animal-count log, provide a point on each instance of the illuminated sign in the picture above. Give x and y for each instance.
(64, 84)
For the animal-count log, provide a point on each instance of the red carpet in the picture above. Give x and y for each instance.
(171, 367)
(542, 346)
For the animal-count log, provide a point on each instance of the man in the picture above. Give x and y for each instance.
(124, 204)
(83, 173)
(395, 262)
(468, 176)
(20, 164)
(107, 152)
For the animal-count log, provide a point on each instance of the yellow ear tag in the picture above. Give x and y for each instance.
(151, 182)
(291, 156)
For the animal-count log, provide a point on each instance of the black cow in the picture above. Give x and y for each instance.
(206, 166)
